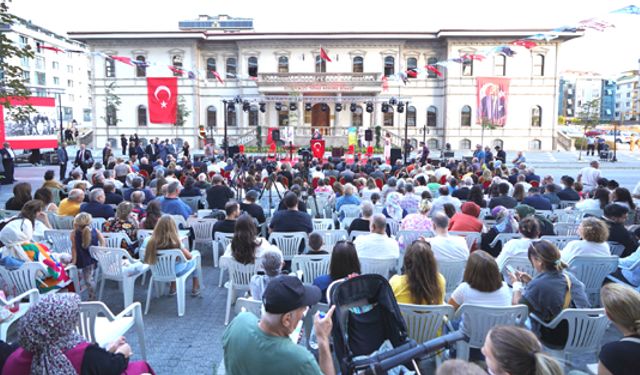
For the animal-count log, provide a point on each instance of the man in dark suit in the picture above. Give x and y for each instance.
(152, 150)
(568, 193)
(537, 201)
(84, 159)
(7, 162)
(500, 154)
(63, 159)
(106, 153)
(503, 199)
(123, 143)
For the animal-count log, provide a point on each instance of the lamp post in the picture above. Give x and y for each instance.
(406, 131)
(615, 137)
(225, 142)
(59, 95)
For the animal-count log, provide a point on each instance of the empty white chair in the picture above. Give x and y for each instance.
(479, 319)
(560, 241)
(60, 240)
(424, 322)
(311, 266)
(378, 266)
(222, 240)
(322, 224)
(471, 238)
(192, 202)
(164, 271)
(289, 242)
(97, 223)
(592, 271)
(504, 238)
(203, 235)
(248, 304)
(355, 233)
(97, 324)
(586, 327)
(453, 272)
(116, 264)
(239, 281)
(33, 295)
(331, 236)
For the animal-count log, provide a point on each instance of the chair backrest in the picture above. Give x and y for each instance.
(311, 266)
(471, 237)
(394, 227)
(251, 305)
(504, 238)
(97, 223)
(378, 266)
(356, 233)
(165, 267)
(592, 271)
(545, 213)
(89, 313)
(203, 228)
(192, 202)
(567, 204)
(520, 263)
(56, 195)
(479, 319)
(240, 274)
(408, 236)
(109, 260)
(61, 222)
(586, 329)
(203, 213)
(24, 278)
(60, 240)
(5, 214)
(616, 248)
(289, 242)
(350, 210)
(566, 228)
(141, 234)
(424, 322)
(453, 271)
(596, 213)
(322, 224)
(181, 223)
(331, 236)
(223, 239)
(560, 241)
(114, 239)
(572, 216)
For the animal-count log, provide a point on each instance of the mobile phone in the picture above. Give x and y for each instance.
(511, 269)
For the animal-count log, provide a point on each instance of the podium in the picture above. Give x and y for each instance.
(317, 148)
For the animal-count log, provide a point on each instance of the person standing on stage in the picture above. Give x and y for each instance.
(123, 143)
(316, 135)
(424, 153)
(84, 159)
(7, 162)
(387, 147)
(63, 159)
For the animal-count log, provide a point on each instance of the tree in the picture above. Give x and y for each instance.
(111, 103)
(12, 83)
(182, 111)
(590, 114)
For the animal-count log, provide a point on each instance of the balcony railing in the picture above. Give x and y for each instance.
(356, 78)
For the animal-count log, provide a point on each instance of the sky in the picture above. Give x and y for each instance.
(608, 53)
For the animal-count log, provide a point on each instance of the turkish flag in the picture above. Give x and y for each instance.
(162, 95)
(324, 56)
(317, 148)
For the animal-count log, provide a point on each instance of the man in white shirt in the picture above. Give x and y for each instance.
(377, 245)
(76, 178)
(589, 176)
(442, 171)
(444, 246)
(444, 197)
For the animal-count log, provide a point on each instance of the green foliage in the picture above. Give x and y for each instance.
(378, 135)
(590, 114)
(561, 120)
(182, 111)
(12, 83)
(259, 138)
(111, 99)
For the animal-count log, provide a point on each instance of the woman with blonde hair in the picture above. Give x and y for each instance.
(513, 350)
(165, 236)
(622, 306)
(83, 237)
(421, 283)
(419, 220)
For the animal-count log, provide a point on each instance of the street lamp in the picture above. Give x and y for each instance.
(406, 131)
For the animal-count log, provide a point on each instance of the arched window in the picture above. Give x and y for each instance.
(432, 116)
(389, 66)
(535, 144)
(321, 65)
(411, 116)
(232, 64)
(536, 116)
(358, 64)
(465, 144)
(254, 117)
(142, 115)
(112, 115)
(432, 143)
(109, 68)
(431, 61)
(356, 117)
(141, 66)
(252, 66)
(465, 116)
(283, 64)
(497, 142)
(176, 60)
(231, 116)
(212, 117)
(538, 65)
(500, 65)
(467, 67)
(412, 65)
(283, 116)
(211, 67)
(387, 118)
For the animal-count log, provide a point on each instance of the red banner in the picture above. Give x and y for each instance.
(317, 148)
(492, 97)
(40, 130)
(163, 100)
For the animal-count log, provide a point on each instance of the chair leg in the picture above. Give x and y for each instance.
(127, 288)
(221, 277)
(180, 289)
(140, 331)
(146, 308)
(230, 295)
(102, 280)
(215, 251)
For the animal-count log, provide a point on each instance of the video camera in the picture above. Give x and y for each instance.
(306, 154)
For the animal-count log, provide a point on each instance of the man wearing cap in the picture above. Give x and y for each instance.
(253, 346)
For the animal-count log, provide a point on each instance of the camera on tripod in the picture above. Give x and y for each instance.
(271, 167)
(306, 155)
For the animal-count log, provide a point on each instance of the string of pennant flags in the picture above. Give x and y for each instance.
(599, 24)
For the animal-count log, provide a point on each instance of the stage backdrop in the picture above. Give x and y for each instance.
(40, 130)
(493, 101)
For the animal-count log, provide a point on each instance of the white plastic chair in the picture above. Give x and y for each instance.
(239, 280)
(331, 236)
(307, 321)
(97, 324)
(504, 238)
(222, 240)
(394, 227)
(61, 222)
(408, 236)
(322, 224)
(355, 233)
(192, 202)
(110, 261)
(633, 268)
(424, 322)
(453, 272)
(311, 266)
(97, 223)
(60, 240)
(545, 213)
(567, 204)
(566, 228)
(471, 238)
(592, 271)
(203, 213)
(114, 239)
(181, 223)
(350, 212)
(560, 241)
(378, 266)
(616, 248)
(479, 319)
(164, 271)
(586, 327)
(289, 242)
(248, 304)
(520, 263)
(28, 275)
(33, 295)
(572, 216)
(203, 234)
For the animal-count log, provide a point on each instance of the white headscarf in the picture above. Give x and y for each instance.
(13, 235)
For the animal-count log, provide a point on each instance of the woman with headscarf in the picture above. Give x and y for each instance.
(49, 344)
(505, 223)
(420, 220)
(392, 208)
(467, 219)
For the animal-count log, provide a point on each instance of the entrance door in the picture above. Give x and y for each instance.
(321, 119)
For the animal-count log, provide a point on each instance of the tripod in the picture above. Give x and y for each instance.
(271, 183)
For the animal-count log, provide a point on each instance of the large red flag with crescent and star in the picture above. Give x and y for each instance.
(163, 100)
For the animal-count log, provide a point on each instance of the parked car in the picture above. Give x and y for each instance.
(594, 132)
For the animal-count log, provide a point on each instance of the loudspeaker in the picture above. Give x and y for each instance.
(368, 135)
(233, 150)
(337, 152)
(448, 154)
(275, 135)
(396, 154)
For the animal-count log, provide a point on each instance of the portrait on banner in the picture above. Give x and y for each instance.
(493, 98)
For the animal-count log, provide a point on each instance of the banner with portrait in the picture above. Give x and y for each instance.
(40, 129)
(492, 97)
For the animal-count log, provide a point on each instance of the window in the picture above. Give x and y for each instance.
(86, 115)
(465, 116)
(431, 61)
(142, 115)
(69, 83)
(231, 67)
(56, 80)
(254, 116)
(497, 142)
(387, 118)
(389, 66)
(465, 144)
(141, 66)
(41, 79)
(356, 117)
(609, 92)
(212, 117)
(283, 64)
(432, 116)
(283, 116)
(358, 64)
(39, 45)
(536, 116)
(72, 97)
(40, 63)
(41, 93)
(538, 65)
(23, 41)
(69, 68)
(252, 66)
(467, 67)
(109, 68)
(432, 143)
(26, 76)
(321, 65)
(176, 61)
(411, 116)
(67, 113)
(25, 62)
(500, 65)
(628, 95)
(412, 64)
(55, 65)
(112, 115)
(535, 144)
(231, 115)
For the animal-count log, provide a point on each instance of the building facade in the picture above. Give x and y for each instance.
(280, 80)
(628, 96)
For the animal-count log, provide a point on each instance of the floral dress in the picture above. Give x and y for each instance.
(115, 225)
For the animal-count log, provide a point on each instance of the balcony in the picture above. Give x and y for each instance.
(320, 82)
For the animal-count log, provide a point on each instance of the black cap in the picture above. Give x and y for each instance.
(287, 293)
